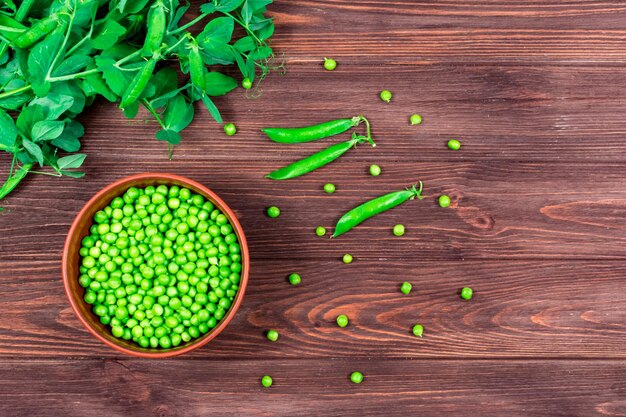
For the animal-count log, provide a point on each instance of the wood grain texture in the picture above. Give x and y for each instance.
(312, 387)
(534, 89)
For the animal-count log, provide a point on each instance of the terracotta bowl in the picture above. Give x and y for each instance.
(80, 229)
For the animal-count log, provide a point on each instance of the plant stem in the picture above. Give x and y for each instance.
(63, 45)
(148, 106)
(246, 27)
(16, 91)
(190, 24)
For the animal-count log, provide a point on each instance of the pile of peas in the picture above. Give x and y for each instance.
(161, 266)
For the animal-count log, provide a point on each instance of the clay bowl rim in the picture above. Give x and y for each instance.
(99, 201)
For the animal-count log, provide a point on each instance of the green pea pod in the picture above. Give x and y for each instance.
(12, 182)
(11, 28)
(157, 23)
(139, 82)
(36, 32)
(373, 207)
(196, 66)
(311, 133)
(317, 160)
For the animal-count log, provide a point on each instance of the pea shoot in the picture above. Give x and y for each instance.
(342, 320)
(330, 64)
(415, 119)
(444, 201)
(375, 170)
(320, 231)
(386, 95)
(398, 230)
(406, 288)
(273, 212)
(267, 381)
(418, 330)
(347, 258)
(356, 377)
(329, 188)
(454, 144)
(467, 293)
(294, 279)
(272, 335)
(230, 129)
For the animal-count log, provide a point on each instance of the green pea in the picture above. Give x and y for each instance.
(246, 83)
(273, 212)
(375, 170)
(329, 188)
(266, 381)
(356, 377)
(386, 95)
(230, 129)
(444, 201)
(272, 335)
(330, 64)
(294, 279)
(347, 258)
(320, 231)
(418, 330)
(466, 293)
(415, 119)
(454, 144)
(342, 320)
(405, 288)
(398, 230)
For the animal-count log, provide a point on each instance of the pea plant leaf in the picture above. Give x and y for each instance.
(252, 7)
(73, 174)
(226, 6)
(207, 8)
(178, 113)
(68, 140)
(34, 150)
(170, 136)
(47, 130)
(8, 131)
(116, 79)
(72, 65)
(40, 60)
(219, 30)
(71, 161)
(218, 84)
(54, 104)
(107, 34)
(28, 117)
(213, 111)
(245, 44)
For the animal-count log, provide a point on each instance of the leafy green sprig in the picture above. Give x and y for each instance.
(57, 58)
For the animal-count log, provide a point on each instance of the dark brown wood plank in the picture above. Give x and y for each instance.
(312, 387)
(520, 309)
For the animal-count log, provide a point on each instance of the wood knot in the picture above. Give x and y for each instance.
(476, 217)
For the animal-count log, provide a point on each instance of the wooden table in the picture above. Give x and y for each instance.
(536, 90)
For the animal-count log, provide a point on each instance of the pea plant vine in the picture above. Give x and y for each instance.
(57, 57)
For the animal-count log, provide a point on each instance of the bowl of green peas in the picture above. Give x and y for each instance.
(155, 265)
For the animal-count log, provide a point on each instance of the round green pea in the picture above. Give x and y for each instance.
(342, 320)
(415, 119)
(294, 279)
(466, 293)
(356, 377)
(347, 258)
(320, 231)
(246, 83)
(273, 212)
(398, 230)
(444, 201)
(454, 144)
(329, 188)
(230, 129)
(272, 335)
(267, 381)
(330, 64)
(386, 95)
(418, 330)
(405, 288)
(375, 170)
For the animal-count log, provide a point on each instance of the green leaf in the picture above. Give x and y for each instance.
(218, 84)
(72, 65)
(135, 6)
(131, 110)
(107, 34)
(73, 174)
(40, 61)
(68, 141)
(95, 84)
(226, 6)
(262, 52)
(71, 161)
(207, 8)
(8, 131)
(213, 111)
(245, 44)
(266, 31)
(47, 130)
(16, 101)
(180, 12)
(178, 114)
(116, 79)
(169, 135)
(218, 30)
(33, 149)
(54, 104)
(242, 66)
(70, 88)
(27, 119)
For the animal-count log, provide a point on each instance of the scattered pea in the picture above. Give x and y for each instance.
(273, 212)
(267, 381)
(356, 377)
(329, 188)
(230, 129)
(385, 96)
(347, 258)
(444, 201)
(406, 288)
(330, 64)
(294, 279)
(415, 119)
(466, 293)
(342, 320)
(454, 144)
(418, 330)
(272, 335)
(398, 230)
(320, 231)
(375, 170)
(246, 83)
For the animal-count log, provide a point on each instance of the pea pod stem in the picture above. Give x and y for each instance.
(375, 206)
(318, 160)
(315, 132)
